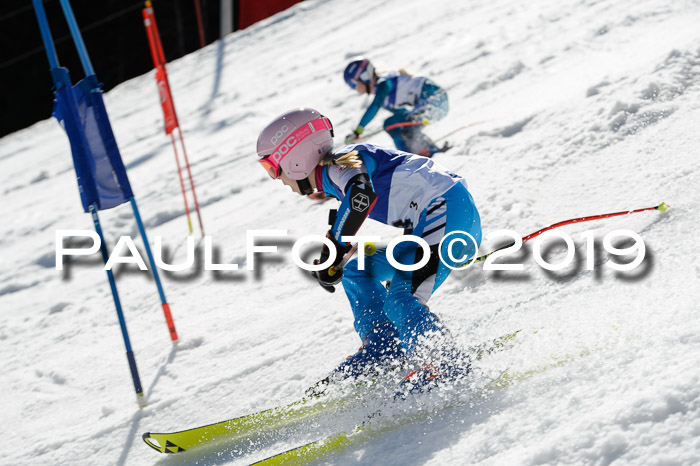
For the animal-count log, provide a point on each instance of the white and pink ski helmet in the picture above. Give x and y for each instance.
(294, 143)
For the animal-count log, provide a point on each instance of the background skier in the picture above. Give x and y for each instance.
(393, 187)
(413, 100)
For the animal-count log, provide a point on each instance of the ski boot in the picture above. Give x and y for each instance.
(445, 147)
(435, 150)
(445, 363)
(431, 374)
(380, 351)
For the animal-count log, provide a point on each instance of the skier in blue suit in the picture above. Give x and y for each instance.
(413, 100)
(392, 187)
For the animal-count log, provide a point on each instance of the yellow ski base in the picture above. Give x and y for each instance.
(338, 443)
(274, 418)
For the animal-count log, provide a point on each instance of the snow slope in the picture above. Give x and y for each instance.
(577, 107)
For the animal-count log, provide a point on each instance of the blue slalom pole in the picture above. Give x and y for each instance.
(166, 307)
(60, 75)
(62, 79)
(46, 33)
(122, 322)
(77, 38)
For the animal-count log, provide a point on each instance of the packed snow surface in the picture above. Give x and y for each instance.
(572, 108)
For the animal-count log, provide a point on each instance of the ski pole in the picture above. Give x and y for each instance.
(661, 208)
(459, 129)
(422, 122)
(369, 135)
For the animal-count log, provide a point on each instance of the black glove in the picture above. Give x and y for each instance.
(331, 276)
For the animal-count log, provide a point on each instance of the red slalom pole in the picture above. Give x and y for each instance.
(189, 174)
(661, 207)
(182, 184)
(200, 27)
(169, 114)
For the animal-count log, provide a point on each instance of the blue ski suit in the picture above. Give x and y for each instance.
(397, 93)
(427, 200)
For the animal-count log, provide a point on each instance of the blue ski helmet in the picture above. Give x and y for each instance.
(359, 69)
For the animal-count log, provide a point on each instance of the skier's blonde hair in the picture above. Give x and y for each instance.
(351, 159)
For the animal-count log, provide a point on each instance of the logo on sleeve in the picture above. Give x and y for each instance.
(359, 202)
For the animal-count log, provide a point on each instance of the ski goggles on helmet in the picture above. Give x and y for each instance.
(271, 162)
(274, 170)
(361, 74)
